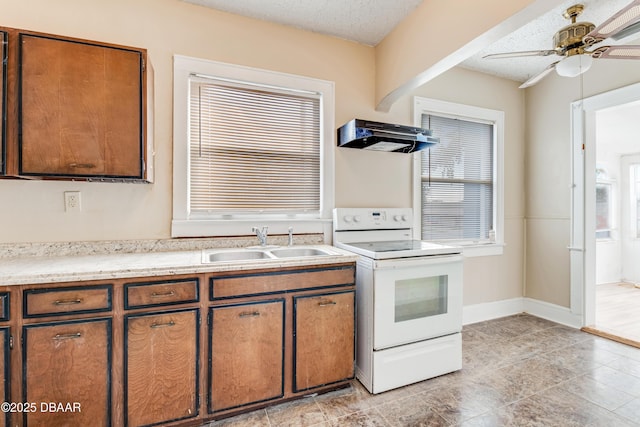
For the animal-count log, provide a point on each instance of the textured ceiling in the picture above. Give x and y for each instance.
(363, 21)
(369, 21)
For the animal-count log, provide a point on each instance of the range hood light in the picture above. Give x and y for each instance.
(376, 136)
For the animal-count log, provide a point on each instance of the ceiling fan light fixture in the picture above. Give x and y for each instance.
(574, 65)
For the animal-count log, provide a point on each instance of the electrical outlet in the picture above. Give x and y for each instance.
(72, 201)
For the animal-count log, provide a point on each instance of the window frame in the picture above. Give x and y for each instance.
(470, 113)
(183, 223)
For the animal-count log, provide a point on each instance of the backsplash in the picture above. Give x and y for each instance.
(18, 250)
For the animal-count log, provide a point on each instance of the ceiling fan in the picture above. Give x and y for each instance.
(573, 41)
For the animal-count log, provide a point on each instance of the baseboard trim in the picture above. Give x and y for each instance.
(495, 309)
(491, 310)
(553, 312)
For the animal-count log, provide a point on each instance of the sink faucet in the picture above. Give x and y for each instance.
(262, 234)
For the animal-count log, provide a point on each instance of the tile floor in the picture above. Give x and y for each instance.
(517, 371)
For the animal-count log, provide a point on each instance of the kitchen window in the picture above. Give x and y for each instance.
(459, 180)
(251, 148)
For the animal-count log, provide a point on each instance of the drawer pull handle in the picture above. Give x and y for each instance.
(162, 294)
(325, 303)
(249, 314)
(163, 325)
(82, 165)
(67, 301)
(60, 337)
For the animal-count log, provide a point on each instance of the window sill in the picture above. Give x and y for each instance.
(215, 228)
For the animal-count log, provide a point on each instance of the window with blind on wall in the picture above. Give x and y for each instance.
(459, 186)
(251, 148)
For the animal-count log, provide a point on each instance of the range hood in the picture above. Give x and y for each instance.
(378, 136)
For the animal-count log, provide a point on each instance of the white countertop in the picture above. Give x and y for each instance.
(50, 269)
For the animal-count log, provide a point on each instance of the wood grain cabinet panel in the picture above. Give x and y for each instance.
(161, 367)
(153, 294)
(3, 100)
(324, 339)
(5, 377)
(61, 301)
(285, 281)
(69, 363)
(81, 108)
(246, 353)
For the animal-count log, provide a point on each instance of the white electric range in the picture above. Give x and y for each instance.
(409, 298)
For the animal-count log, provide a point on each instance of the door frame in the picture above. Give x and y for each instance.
(582, 242)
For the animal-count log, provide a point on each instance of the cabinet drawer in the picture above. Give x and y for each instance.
(265, 283)
(61, 301)
(153, 294)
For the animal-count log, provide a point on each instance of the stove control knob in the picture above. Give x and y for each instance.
(397, 218)
(404, 217)
(348, 218)
(356, 218)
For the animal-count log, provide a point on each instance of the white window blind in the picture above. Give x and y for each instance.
(253, 149)
(457, 177)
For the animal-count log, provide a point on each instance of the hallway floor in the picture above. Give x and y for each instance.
(617, 313)
(517, 371)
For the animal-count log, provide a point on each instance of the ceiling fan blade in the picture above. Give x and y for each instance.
(625, 51)
(625, 17)
(521, 54)
(535, 79)
(627, 31)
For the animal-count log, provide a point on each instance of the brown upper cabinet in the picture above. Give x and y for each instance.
(3, 95)
(76, 109)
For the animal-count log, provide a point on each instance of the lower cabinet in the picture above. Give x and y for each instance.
(323, 339)
(67, 363)
(246, 353)
(133, 352)
(161, 367)
(5, 395)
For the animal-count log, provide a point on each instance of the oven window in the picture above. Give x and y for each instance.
(419, 298)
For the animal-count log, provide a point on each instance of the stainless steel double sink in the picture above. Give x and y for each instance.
(255, 254)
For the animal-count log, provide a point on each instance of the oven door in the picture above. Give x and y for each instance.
(416, 299)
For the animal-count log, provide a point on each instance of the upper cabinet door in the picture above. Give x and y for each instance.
(3, 102)
(81, 109)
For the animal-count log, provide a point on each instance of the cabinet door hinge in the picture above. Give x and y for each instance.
(144, 65)
(10, 342)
